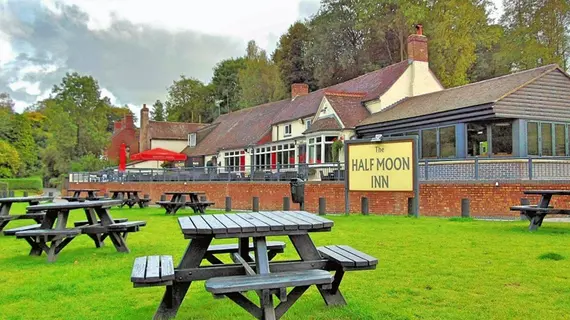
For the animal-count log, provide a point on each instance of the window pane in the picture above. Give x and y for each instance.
(546, 135)
(502, 138)
(477, 144)
(329, 139)
(560, 143)
(328, 153)
(429, 140)
(311, 154)
(447, 142)
(318, 153)
(532, 138)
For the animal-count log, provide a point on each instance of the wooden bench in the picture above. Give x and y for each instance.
(72, 198)
(129, 226)
(171, 207)
(143, 203)
(536, 215)
(273, 248)
(348, 258)
(85, 222)
(199, 207)
(152, 271)
(12, 232)
(234, 284)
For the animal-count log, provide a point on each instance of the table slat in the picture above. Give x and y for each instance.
(326, 222)
(153, 268)
(259, 225)
(303, 225)
(202, 226)
(273, 224)
(231, 226)
(187, 226)
(316, 224)
(359, 262)
(288, 225)
(245, 225)
(215, 225)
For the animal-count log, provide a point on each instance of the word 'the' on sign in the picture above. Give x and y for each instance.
(384, 166)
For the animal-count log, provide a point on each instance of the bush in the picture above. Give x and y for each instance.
(31, 184)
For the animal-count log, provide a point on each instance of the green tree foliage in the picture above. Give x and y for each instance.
(25, 145)
(9, 160)
(536, 33)
(89, 163)
(226, 85)
(158, 112)
(80, 97)
(6, 113)
(290, 57)
(60, 148)
(189, 100)
(6, 102)
(259, 80)
(113, 114)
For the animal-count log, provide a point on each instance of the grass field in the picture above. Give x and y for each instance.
(429, 268)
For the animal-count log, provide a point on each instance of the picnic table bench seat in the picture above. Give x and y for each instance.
(153, 271)
(48, 234)
(234, 284)
(85, 222)
(535, 209)
(8, 218)
(348, 258)
(12, 232)
(199, 206)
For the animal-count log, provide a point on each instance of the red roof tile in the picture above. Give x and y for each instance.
(172, 130)
(349, 109)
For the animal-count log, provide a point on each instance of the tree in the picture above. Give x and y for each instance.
(259, 80)
(226, 85)
(187, 100)
(114, 114)
(158, 111)
(9, 160)
(289, 56)
(6, 102)
(80, 97)
(25, 145)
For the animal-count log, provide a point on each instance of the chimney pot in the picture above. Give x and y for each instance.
(418, 46)
(420, 29)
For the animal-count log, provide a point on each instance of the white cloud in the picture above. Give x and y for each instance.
(110, 95)
(31, 88)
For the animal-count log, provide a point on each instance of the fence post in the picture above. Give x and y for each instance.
(11, 194)
(255, 204)
(410, 206)
(364, 206)
(162, 197)
(25, 193)
(476, 168)
(529, 168)
(524, 202)
(286, 204)
(426, 170)
(228, 204)
(322, 206)
(465, 208)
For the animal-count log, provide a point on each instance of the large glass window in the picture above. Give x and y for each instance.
(560, 140)
(546, 138)
(284, 156)
(477, 144)
(447, 142)
(532, 138)
(429, 143)
(502, 138)
(232, 160)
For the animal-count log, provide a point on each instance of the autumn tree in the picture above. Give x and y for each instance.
(226, 85)
(9, 160)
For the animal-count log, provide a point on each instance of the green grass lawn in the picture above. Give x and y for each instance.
(429, 268)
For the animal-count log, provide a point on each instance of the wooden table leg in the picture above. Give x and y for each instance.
(536, 220)
(176, 292)
(307, 251)
(262, 267)
(116, 237)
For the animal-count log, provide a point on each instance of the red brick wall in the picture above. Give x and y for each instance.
(441, 199)
(128, 136)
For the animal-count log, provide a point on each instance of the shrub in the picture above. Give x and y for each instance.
(31, 184)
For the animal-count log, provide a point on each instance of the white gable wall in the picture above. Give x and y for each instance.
(171, 145)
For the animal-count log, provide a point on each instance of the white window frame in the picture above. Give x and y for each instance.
(285, 133)
(192, 139)
(312, 143)
(308, 123)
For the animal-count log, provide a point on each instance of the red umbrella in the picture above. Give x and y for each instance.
(122, 157)
(159, 154)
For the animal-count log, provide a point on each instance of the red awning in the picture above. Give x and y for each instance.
(159, 154)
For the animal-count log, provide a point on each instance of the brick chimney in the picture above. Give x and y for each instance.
(417, 45)
(299, 89)
(143, 135)
(118, 125)
(129, 123)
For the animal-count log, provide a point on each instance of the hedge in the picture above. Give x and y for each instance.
(32, 184)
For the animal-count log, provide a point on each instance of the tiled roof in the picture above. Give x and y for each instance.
(324, 124)
(349, 108)
(238, 129)
(478, 93)
(371, 85)
(172, 130)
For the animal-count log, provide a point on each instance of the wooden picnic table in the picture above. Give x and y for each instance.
(6, 205)
(252, 273)
(91, 194)
(130, 198)
(536, 213)
(53, 235)
(175, 203)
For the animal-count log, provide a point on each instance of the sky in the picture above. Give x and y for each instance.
(133, 48)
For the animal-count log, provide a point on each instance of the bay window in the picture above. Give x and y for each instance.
(320, 149)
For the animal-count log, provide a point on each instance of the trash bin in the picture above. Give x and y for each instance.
(297, 190)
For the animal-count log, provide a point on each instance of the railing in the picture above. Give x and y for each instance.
(475, 169)
(315, 172)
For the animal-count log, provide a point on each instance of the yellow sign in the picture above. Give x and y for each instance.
(381, 166)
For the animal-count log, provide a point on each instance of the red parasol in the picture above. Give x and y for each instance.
(159, 154)
(122, 157)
